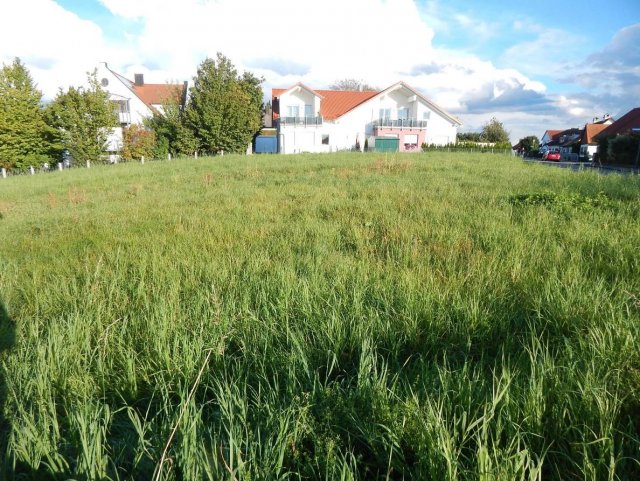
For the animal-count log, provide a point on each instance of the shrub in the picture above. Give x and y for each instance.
(137, 142)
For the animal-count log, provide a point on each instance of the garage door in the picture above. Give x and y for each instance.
(384, 144)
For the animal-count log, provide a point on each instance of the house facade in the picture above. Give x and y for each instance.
(398, 118)
(134, 101)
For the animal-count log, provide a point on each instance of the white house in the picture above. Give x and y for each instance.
(135, 100)
(398, 118)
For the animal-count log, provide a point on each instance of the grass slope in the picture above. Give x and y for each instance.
(432, 317)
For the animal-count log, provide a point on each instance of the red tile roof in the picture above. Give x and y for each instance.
(553, 133)
(335, 103)
(158, 94)
(630, 120)
(590, 131)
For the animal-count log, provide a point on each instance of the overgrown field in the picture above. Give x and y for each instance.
(331, 317)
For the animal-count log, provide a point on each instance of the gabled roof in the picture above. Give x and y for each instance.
(552, 134)
(336, 103)
(630, 120)
(153, 94)
(589, 133)
(432, 105)
(158, 94)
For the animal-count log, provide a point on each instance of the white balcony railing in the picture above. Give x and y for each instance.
(400, 123)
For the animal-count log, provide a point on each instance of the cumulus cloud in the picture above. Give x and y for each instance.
(379, 41)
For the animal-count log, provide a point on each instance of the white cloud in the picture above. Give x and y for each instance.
(286, 41)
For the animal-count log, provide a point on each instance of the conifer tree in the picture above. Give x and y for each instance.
(23, 131)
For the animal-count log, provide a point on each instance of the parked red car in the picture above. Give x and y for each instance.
(554, 156)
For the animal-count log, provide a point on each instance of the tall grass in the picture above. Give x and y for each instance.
(338, 317)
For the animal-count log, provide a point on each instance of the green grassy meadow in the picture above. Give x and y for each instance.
(320, 317)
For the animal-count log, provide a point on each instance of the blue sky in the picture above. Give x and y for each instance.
(533, 65)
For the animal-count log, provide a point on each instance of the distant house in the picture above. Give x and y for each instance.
(135, 100)
(398, 118)
(549, 139)
(624, 125)
(588, 142)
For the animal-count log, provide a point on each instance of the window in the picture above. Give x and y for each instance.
(410, 142)
(104, 82)
(293, 111)
(385, 114)
(308, 111)
(403, 113)
(426, 115)
(325, 139)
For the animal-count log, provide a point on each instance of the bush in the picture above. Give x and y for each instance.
(137, 142)
(623, 149)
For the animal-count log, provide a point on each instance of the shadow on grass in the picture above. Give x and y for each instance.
(9, 469)
(7, 340)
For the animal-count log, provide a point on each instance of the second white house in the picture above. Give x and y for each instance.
(398, 118)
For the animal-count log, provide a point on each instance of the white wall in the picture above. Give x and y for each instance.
(299, 97)
(358, 123)
(118, 91)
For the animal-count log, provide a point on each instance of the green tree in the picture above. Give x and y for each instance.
(351, 84)
(172, 132)
(469, 137)
(494, 131)
(225, 109)
(24, 135)
(84, 116)
(530, 143)
(137, 142)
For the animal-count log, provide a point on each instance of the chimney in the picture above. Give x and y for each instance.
(139, 79)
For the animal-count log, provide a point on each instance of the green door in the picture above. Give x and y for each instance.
(387, 144)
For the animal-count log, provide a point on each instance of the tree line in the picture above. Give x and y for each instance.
(223, 114)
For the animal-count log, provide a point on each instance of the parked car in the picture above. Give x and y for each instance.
(553, 156)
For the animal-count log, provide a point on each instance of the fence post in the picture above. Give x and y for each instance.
(4, 173)
(168, 156)
(32, 170)
(195, 154)
(222, 153)
(60, 166)
(88, 164)
(142, 159)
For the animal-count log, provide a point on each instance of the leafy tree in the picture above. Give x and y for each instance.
(494, 131)
(225, 109)
(24, 135)
(351, 84)
(84, 117)
(530, 143)
(172, 132)
(623, 149)
(137, 142)
(469, 137)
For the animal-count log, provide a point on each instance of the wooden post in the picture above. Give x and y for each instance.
(60, 166)
(142, 159)
(195, 154)
(4, 173)
(32, 170)
(88, 164)
(222, 152)
(168, 156)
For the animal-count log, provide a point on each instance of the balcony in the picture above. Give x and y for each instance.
(299, 121)
(400, 124)
(124, 118)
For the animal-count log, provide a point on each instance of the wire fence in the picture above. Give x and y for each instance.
(69, 165)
